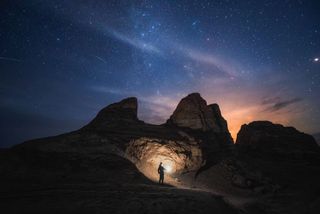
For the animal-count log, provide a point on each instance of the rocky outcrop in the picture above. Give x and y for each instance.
(266, 137)
(193, 112)
(219, 120)
(317, 138)
(124, 112)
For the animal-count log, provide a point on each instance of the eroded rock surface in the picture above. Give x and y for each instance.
(124, 112)
(177, 156)
(266, 137)
(193, 112)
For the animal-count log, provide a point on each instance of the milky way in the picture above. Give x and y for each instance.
(62, 61)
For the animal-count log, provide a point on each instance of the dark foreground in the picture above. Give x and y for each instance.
(106, 198)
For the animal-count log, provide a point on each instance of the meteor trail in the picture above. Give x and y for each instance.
(10, 59)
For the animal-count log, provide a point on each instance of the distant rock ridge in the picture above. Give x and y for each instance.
(264, 136)
(193, 112)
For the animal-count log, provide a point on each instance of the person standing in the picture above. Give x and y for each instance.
(161, 173)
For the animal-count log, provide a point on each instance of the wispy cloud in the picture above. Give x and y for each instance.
(104, 89)
(212, 60)
(282, 104)
(163, 46)
(134, 42)
(156, 109)
(270, 100)
(223, 66)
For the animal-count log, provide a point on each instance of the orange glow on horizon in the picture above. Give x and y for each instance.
(235, 108)
(237, 118)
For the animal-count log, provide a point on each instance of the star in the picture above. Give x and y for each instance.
(316, 59)
(195, 23)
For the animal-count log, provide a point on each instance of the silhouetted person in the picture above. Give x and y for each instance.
(161, 173)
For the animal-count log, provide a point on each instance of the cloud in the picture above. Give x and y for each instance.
(164, 45)
(212, 60)
(282, 104)
(164, 48)
(115, 91)
(270, 100)
(139, 44)
(224, 66)
(100, 26)
(157, 109)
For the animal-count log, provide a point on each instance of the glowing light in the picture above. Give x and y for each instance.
(168, 168)
(316, 59)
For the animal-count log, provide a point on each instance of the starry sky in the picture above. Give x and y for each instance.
(62, 61)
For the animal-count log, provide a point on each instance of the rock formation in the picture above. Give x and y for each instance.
(124, 112)
(117, 130)
(205, 122)
(115, 154)
(317, 138)
(193, 112)
(266, 137)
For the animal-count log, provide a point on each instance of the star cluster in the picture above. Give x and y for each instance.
(62, 61)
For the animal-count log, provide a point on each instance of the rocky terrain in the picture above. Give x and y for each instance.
(317, 137)
(110, 165)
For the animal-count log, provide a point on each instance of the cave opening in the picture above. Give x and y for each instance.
(177, 157)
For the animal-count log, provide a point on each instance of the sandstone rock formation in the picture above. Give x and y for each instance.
(177, 156)
(193, 112)
(266, 137)
(124, 112)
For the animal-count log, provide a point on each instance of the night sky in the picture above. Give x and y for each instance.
(62, 61)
